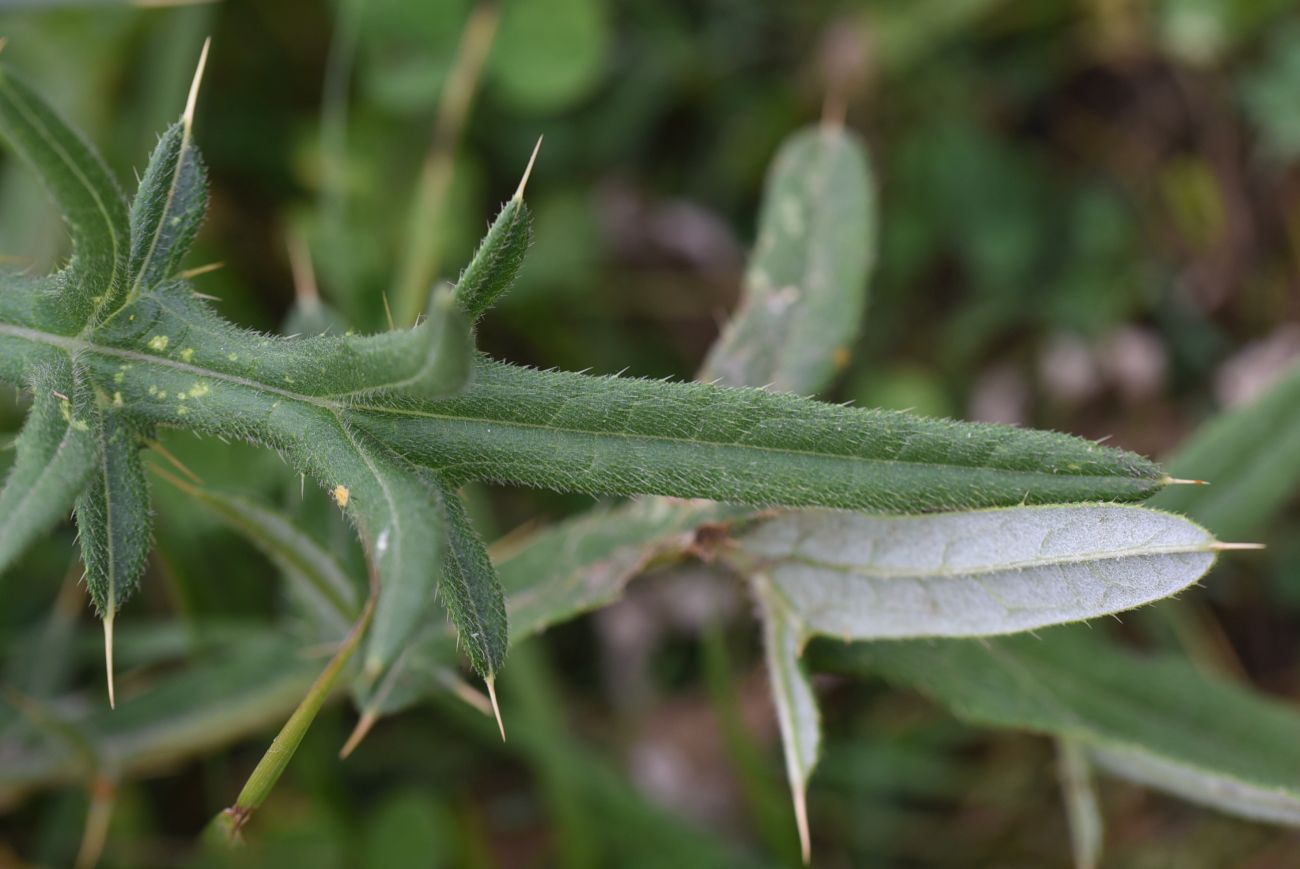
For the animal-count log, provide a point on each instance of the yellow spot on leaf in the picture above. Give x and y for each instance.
(340, 494)
(159, 343)
(187, 354)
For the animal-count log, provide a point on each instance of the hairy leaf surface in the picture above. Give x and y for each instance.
(168, 209)
(54, 456)
(113, 515)
(471, 590)
(966, 574)
(86, 193)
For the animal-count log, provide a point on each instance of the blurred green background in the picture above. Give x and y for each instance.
(1090, 218)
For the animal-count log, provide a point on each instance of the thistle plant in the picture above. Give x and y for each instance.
(990, 529)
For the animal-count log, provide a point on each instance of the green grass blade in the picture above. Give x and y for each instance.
(55, 453)
(1155, 719)
(84, 190)
(806, 284)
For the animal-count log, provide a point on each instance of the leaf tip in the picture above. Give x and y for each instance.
(366, 722)
(108, 660)
(801, 821)
(528, 171)
(192, 100)
(1227, 547)
(496, 708)
(1175, 481)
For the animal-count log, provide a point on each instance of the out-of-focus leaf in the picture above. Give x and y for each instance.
(315, 576)
(806, 285)
(584, 563)
(1155, 719)
(864, 577)
(254, 684)
(549, 53)
(792, 692)
(1081, 808)
(1251, 458)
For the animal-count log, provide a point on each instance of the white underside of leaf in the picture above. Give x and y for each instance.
(1198, 785)
(792, 694)
(967, 574)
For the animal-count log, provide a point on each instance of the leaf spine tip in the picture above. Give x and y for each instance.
(496, 709)
(1175, 481)
(1228, 547)
(523, 182)
(801, 821)
(108, 659)
(193, 98)
(367, 721)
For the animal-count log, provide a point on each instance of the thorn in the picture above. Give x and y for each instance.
(801, 821)
(1174, 481)
(523, 182)
(108, 660)
(496, 709)
(190, 274)
(388, 312)
(188, 117)
(1222, 547)
(368, 719)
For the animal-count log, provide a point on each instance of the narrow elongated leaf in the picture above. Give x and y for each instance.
(1155, 719)
(168, 209)
(784, 635)
(806, 285)
(471, 590)
(969, 574)
(588, 434)
(113, 515)
(1250, 456)
(83, 188)
(55, 452)
(615, 436)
